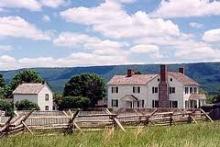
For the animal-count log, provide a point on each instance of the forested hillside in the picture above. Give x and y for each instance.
(207, 74)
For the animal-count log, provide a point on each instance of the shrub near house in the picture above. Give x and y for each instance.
(26, 105)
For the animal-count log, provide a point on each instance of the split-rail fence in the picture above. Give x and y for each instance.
(69, 121)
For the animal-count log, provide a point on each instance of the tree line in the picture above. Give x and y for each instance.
(81, 91)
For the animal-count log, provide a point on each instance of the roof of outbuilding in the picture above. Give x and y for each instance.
(141, 79)
(28, 88)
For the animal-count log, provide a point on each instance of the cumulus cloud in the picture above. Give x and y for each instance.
(15, 26)
(187, 8)
(32, 5)
(53, 3)
(112, 21)
(98, 46)
(75, 59)
(212, 35)
(26, 4)
(148, 49)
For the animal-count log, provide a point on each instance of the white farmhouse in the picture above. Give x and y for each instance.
(166, 89)
(38, 93)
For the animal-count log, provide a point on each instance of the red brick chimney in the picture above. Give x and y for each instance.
(181, 70)
(130, 72)
(163, 87)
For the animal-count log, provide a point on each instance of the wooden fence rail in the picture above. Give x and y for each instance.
(69, 121)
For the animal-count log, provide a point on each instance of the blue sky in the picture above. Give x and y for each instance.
(69, 33)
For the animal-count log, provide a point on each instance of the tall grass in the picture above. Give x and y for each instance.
(201, 135)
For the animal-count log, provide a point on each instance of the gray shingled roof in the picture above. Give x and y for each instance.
(134, 79)
(142, 79)
(182, 78)
(28, 88)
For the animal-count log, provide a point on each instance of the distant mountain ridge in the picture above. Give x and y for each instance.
(206, 74)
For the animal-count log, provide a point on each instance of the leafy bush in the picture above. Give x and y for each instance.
(26, 105)
(7, 107)
(71, 102)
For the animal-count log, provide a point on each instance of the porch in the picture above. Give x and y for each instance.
(195, 101)
(131, 102)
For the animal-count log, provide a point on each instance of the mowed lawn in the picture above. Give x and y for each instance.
(190, 135)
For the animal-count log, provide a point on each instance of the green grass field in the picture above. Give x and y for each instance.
(190, 135)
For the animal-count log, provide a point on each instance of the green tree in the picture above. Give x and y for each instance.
(2, 81)
(71, 102)
(87, 85)
(57, 98)
(7, 107)
(2, 87)
(26, 105)
(27, 76)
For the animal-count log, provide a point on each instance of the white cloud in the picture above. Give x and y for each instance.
(15, 26)
(148, 49)
(6, 48)
(46, 18)
(32, 5)
(112, 21)
(212, 35)
(199, 54)
(195, 25)
(126, 1)
(7, 62)
(83, 41)
(187, 8)
(52, 3)
(75, 59)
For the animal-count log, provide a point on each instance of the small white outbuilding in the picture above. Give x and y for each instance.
(38, 93)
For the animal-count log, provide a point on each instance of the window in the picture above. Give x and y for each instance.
(46, 107)
(114, 89)
(172, 90)
(46, 97)
(173, 104)
(154, 89)
(158, 80)
(171, 79)
(195, 90)
(191, 90)
(186, 90)
(136, 89)
(155, 103)
(114, 103)
(142, 103)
